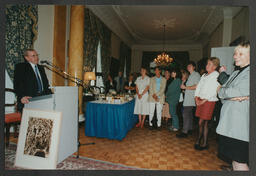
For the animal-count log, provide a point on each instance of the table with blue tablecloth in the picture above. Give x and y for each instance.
(112, 121)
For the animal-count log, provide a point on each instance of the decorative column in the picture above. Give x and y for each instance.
(76, 45)
(227, 26)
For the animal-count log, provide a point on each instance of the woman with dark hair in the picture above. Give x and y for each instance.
(165, 111)
(173, 96)
(141, 103)
(205, 98)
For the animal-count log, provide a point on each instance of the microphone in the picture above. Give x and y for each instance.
(44, 62)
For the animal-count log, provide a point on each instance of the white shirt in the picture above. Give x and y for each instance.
(142, 83)
(193, 79)
(129, 84)
(33, 66)
(207, 87)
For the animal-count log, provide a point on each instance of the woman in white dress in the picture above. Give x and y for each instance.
(141, 103)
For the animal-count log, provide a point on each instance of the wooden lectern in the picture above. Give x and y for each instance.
(65, 100)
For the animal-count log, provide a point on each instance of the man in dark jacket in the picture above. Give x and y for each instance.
(30, 79)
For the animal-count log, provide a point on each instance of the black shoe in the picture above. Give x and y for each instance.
(204, 148)
(226, 167)
(197, 146)
(151, 127)
(181, 135)
(158, 128)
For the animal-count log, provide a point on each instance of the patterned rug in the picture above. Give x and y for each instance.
(71, 163)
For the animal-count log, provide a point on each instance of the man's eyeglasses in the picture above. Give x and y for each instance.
(34, 55)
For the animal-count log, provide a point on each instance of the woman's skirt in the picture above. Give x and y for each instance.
(141, 105)
(233, 149)
(205, 110)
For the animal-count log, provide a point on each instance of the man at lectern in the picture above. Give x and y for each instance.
(30, 79)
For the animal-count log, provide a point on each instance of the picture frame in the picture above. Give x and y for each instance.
(38, 141)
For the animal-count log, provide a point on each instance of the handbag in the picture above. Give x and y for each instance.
(222, 78)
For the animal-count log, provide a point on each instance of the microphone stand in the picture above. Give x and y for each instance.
(78, 82)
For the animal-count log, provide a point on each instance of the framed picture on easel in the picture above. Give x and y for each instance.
(38, 140)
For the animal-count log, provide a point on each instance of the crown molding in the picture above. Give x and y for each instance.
(109, 18)
(158, 47)
(113, 17)
(142, 40)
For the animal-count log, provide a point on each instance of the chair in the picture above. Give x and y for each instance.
(13, 118)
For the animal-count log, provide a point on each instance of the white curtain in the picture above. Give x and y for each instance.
(9, 97)
(99, 80)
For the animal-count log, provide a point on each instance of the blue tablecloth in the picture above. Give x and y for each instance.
(112, 121)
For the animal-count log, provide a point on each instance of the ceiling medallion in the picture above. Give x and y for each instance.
(169, 23)
(163, 59)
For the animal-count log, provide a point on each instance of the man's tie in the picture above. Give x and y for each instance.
(40, 88)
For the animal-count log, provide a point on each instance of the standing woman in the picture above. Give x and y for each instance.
(173, 96)
(233, 126)
(165, 111)
(205, 98)
(184, 77)
(141, 104)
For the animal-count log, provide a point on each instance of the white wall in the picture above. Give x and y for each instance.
(240, 25)
(216, 39)
(44, 43)
(225, 54)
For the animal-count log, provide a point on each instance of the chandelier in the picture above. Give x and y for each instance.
(163, 59)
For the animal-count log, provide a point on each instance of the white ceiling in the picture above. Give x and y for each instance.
(144, 24)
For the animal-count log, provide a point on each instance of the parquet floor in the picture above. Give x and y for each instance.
(156, 150)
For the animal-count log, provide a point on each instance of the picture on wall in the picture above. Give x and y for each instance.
(38, 142)
(38, 137)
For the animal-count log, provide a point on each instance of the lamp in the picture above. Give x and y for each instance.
(163, 59)
(88, 76)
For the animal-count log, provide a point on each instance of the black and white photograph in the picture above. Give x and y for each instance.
(38, 137)
(38, 144)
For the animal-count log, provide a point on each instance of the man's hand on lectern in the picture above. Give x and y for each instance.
(25, 100)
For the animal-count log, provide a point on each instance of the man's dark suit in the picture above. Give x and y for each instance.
(25, 82)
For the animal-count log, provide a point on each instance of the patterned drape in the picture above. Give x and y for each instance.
(96, 31)
(91, 39)
(105, 38)
(21, 32)
(125, 56)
